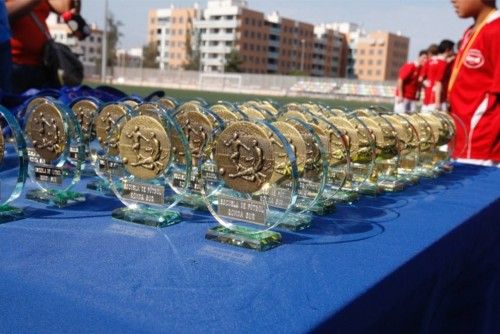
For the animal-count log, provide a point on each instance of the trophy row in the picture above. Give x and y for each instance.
(256, 167)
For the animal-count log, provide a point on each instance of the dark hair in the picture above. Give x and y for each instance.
(433, 49)
(491, 3)
(422, 53)
(446, 45)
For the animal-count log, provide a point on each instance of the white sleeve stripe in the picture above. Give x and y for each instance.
(476, 117)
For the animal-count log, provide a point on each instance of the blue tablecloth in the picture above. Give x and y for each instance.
(424, 260)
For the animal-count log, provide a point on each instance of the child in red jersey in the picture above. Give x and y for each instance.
(438, 73)
(432, 53)
(474, 87)
(409, 84)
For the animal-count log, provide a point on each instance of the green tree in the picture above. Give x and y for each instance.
(297, 73)
(149, 54)
(233, 61)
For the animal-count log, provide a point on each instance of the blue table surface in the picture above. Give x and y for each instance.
(77, 269)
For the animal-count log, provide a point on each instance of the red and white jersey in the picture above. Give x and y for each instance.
(475, 94)
(409, 74)
(438, 70)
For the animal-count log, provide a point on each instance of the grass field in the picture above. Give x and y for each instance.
(212, 97)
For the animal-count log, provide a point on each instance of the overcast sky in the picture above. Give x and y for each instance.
(424, 21)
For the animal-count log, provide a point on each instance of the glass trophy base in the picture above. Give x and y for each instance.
(10, 213)
(346, 196)
(56, 198)
(392, 185)
(370, 189)
(100, 186)
(324, 206)
(294, 221)
(192, 201)
(244, 237)
(411, 179)
(429, 172)
(149, 217)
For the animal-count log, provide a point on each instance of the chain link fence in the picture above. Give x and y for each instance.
(259, 84)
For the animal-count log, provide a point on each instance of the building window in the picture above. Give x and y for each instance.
(174, 19)
(379, 62)
(380, 51)
(369, 72)
(360, 72)
(377, 72)
(370, 62)
(370, 52)
(181, 20)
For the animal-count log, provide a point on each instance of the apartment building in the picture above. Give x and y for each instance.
(171, 30)
(265, 43)
(353, 32)
(88, 50)
(380, 55)
(330, 52)
(271, 43)
(217, 28)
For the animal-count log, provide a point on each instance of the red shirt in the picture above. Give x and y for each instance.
(409, 74)
(27, 40)
(475, 96)
(437, 70)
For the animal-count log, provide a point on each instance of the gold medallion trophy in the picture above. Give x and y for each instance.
(199, 125)
(335, 146)
(146, 151)
(51, 129)
(85, 110)
(433, 132)
(385, 174)
(102, 145)
(13, 166)
(256, 186)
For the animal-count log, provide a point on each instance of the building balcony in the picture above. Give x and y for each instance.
(272, 67)
(274, 43)
(215, 49)
(317, 61)
(212, 62)
(225, 37)
(320, 51)
(273, 54)
(274, 31)
(215, 24)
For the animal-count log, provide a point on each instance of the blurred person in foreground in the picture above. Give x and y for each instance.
(474, 88)
(28, 41)
(408, 85)
(5, 57)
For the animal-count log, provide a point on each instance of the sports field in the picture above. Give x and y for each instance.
(212, 97)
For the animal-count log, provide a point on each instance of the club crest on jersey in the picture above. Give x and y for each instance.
(474, 59)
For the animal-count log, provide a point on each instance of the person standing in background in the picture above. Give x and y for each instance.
(439, 73)
(5, 57)
(28, 41)
(474, 88)
(432, 53)
(408, 85)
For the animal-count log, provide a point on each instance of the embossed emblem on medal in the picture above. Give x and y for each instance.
(244, 157)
